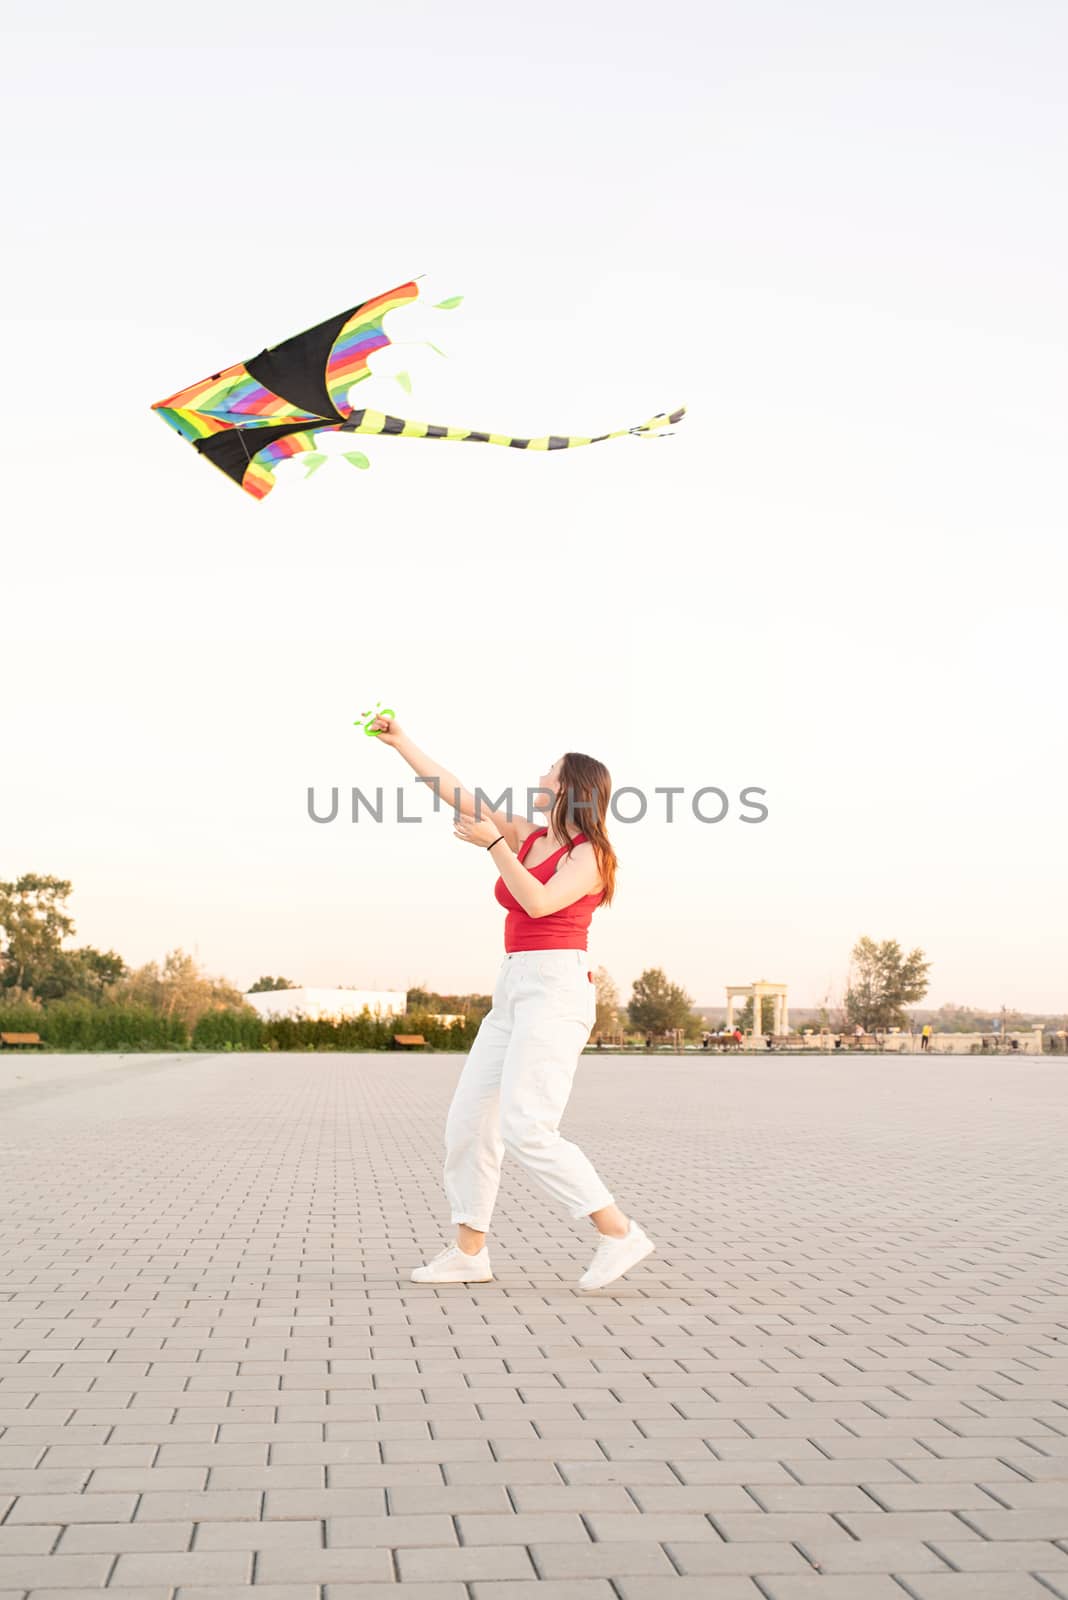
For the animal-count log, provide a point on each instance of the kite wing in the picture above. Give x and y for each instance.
(254, 414)
(265, 410)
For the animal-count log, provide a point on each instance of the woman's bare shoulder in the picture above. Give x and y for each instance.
(524, 827)
(582, 858)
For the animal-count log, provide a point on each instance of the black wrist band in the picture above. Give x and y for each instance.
(499, 840)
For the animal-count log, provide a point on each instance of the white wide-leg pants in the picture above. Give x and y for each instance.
(515, 1084)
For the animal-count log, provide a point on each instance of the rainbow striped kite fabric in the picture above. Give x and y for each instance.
(256, 413)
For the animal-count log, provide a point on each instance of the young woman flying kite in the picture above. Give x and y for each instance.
(516, 1081)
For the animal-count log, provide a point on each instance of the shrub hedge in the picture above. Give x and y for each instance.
(81, 1025)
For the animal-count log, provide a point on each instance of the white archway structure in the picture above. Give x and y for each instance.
(756, 993)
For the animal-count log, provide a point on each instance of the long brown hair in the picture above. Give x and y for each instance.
(583, 796)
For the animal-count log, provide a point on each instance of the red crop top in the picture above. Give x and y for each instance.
(560, 930)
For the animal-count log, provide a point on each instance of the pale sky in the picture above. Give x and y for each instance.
(835, 232)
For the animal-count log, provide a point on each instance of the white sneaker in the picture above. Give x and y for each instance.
(614, 1257)
(453, 1265)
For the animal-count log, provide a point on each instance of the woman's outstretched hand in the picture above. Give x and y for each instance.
(388, 729)
(475, 832)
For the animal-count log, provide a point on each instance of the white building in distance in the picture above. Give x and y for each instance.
(328, 1004)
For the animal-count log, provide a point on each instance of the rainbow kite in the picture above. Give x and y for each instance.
(260, 412)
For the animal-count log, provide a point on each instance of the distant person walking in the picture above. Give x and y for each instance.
(925, 1037)
(518, 1076)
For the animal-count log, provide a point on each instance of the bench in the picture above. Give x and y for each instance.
(408, 1041)
(10, 1040)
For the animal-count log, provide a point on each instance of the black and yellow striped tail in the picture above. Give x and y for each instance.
(378, 422)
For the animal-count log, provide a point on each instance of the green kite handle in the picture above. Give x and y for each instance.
(373, 733)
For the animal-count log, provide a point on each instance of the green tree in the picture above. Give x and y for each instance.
(34, 921)
(657, 1006)
(607, 1019)
(422, 999)
(84, 973)
(744, 1018)
(268, 985)
(882, 982)
(181, 990)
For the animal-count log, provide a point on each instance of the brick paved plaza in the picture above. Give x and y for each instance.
(843, 1375)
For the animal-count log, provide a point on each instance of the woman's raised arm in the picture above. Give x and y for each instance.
(446, 784)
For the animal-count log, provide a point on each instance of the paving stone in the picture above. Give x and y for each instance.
(63, 1508)
(726, 1472)
(820, 1497)
(899, 1497)
(679, 1588)
(948, 1447)
(374, 1475)
(323, 1566)
(815, 1587)
(484, 1561)
(901, 1448)
(605, 1559)
(899, 1556)
(258, 1536)
(100, 1537)
(261, 1478)
(543, 1589)
(13, 1481)
(755, 1526)
(1051, 1524)
(735, 1557)
(160, 1592)
(978, 1586)
(389, 1591)
(1039, 1468)
(657, 1525)
(420, 1499)
(632, 1472)
(1049, 1495)
(209, 1455)
(137, 1479)
(978, 1470)
(394, 1532)
(37, 1571)
(190, 1569)
(907, 1524)
(210, 1506)
(300, 1504)
(30, 1539)
(535, 1527)
(262, 1591)
(696, 1497)
(1007, 1555)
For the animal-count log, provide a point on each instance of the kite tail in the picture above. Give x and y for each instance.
(378, 422)
(258, 478)
(663, 419)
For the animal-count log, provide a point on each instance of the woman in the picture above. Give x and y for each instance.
(517, 1079)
